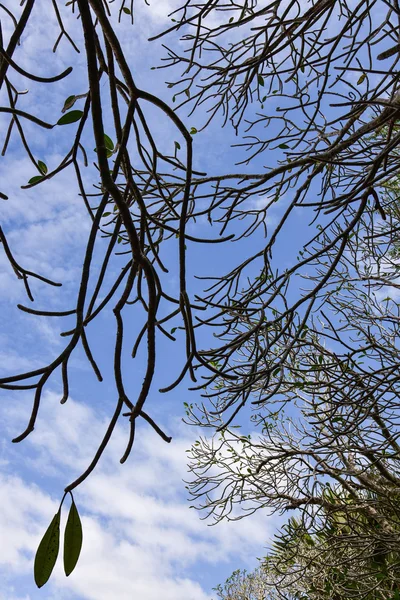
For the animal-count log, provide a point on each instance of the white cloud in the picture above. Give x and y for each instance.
(140, 537)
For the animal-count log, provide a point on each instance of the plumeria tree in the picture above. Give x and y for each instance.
(299, 337)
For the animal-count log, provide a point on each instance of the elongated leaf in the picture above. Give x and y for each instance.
(35, 179)
(47, 552)
(361, 79)
(70, 101)
(70, 117)
(109, 144)
(42, 167)
(72, 540)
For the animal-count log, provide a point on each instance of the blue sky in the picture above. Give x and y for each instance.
(141, 539)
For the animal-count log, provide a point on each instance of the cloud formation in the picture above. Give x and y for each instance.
(141, 540)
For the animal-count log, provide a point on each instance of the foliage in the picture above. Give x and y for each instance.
(257, 585)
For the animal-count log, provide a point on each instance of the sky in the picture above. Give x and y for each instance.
(141, 538)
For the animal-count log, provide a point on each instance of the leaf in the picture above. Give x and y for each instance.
(106, 214)
(187, 92)
(177, 145)
(361, 79)
(230, 20)
(109, 144)
(70, 117)
(35, 179)
(72, 540)
(173, 330)
(47, 552)
(193, 131)
(283, 146)
(126, 10)
(260, 80)
(70, 101)
(42, 167)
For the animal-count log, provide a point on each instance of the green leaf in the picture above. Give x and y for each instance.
(47, 552)
(72, 540)
(177, 145)
(35, 179)
(260, 80)
(70, 101)
(361, 79)
(107, 214)
(109, 144)
(42, 167)
(187, 92)
(283, 146)
(193, 131)
(70, 117)
(230, 20)
(126, 10)
(173, 330)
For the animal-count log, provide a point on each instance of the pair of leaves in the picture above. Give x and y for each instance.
(43, 169)
(47, 551)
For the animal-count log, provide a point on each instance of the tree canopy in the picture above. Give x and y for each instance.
(298, 341)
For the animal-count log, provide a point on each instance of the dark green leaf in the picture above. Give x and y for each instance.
(47, 552)
(42, 167)
(230, 20)
(193, 131)
(177, 145)
(72, 540)
(35, 179)
(106, 214)
(260, 80)
(109, 144)
(70, 101)
(173, 330)
(70, 117)
(283, 146)
(126, 10)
